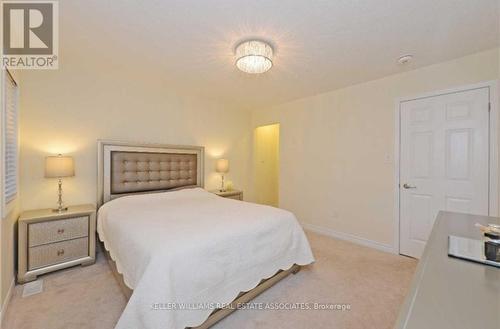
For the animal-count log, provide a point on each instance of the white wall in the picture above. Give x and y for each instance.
(334, 173)
(67, 110)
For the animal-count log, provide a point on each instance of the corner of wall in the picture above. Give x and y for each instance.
(8, 242)
(5, 304)
(8, 252)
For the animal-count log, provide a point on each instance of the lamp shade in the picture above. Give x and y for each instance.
(59, 166)
(222, 165)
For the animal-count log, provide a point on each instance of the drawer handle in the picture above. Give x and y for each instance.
(60, 231)
(60, 252)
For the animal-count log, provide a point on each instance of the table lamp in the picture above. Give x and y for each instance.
(222, 166)
(58, 167)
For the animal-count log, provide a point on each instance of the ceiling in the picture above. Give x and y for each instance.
(188, 45)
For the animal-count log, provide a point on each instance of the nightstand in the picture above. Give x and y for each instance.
(233, 194)
(49, 241)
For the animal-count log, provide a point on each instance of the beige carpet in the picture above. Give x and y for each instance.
(373, 283)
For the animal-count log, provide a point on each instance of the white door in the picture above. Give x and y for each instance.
(443, 162)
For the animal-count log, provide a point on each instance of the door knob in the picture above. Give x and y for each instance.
(408, 186)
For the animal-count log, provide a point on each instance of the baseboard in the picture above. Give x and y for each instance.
(349, 237)
(5, 304)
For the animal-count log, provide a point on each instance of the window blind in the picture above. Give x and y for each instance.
(10, 138)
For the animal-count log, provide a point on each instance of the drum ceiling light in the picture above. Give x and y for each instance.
(254, 56)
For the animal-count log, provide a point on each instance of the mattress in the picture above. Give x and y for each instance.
(188, 252)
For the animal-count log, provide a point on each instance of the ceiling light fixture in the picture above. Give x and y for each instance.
(254, 56)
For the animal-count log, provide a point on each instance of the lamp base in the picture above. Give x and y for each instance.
(60, 204)
(60, 209)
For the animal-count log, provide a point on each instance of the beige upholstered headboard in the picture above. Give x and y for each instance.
(129, 168)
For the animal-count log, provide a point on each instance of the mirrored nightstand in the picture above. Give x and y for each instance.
(49, 241)
(233, 194)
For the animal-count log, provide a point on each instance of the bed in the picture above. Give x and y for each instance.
(185, 257)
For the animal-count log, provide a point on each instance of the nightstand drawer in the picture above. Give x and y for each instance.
(58, 252)
(57, 230)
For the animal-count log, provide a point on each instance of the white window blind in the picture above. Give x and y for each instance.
(10, 138)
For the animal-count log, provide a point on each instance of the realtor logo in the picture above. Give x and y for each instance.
(30, 34)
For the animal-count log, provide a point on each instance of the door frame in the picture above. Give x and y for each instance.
(493, 148)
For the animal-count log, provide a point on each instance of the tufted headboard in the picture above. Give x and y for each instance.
(130, 168)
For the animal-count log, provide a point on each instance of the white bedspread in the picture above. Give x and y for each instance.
(191, 248)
